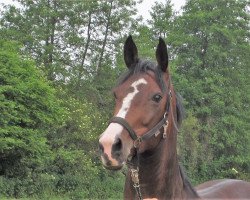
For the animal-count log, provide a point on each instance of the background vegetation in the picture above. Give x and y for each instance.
(60, 59)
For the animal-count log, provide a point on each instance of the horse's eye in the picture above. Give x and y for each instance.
(157, 98)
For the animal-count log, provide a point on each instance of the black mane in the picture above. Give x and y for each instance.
(187, 185)
(179, 109)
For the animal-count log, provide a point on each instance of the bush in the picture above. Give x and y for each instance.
(29, 109)
(48, 148)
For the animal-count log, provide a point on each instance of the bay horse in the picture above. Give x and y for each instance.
(143, 135)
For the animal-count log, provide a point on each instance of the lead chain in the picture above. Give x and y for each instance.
(136, 184)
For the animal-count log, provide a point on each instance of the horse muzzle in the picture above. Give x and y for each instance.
(111, 153)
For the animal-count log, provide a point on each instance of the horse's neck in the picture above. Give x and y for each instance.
(159, 174)
(161, 178)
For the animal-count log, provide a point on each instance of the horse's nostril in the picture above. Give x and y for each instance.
(117, 146)
(101, 149)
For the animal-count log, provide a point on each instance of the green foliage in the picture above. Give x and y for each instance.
(188, 144)
(49, 130)
(47, 149)
(212, 74)
(29, 109)
(70, 39)
(162, 18)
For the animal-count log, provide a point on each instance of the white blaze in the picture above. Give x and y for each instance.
(114, 129)
(128, 99)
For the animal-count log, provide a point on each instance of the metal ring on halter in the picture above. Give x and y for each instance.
(137, 142)
(164, 136)
(165, 115)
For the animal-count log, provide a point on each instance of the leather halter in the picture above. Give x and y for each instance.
(154, 131)
(133, 160)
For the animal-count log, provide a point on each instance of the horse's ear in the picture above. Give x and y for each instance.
(130, 52)
(162, 55)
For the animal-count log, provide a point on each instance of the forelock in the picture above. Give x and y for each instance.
(144, 66)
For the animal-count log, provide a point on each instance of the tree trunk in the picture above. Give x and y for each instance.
(49, 43)
(105, 38)
(81, 67)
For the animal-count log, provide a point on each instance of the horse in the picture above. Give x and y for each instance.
(142, 134)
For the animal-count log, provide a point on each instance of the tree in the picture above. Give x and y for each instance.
(74, 44)
(162, 18)
(61, 34)
(36, 25)
(211, 43)
(29, 109)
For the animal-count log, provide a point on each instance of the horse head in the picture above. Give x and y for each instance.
(141, 98)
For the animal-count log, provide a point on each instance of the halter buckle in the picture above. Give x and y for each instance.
(165, 115)
(137, 142)
(157, 133)
(165, 130)
(135, 176)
